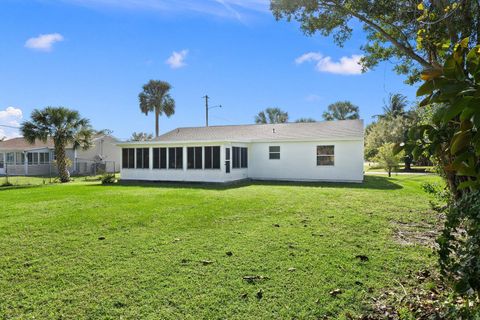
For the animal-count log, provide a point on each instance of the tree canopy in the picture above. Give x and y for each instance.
(414, 35)
(141, 136)
(342, 110)
(271, 115)
(304, 120)
(65, 127)
(155, 97)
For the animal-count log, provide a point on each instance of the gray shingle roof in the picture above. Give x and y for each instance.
(344, 129)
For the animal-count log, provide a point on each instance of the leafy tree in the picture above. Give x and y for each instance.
(155, 97)
(304, 120)
(141, 136)
(452, 138)
(271, 115)
(395, 107)
(384, 131)
(105, 132)
(65, 127)
(341, 110)
(415, 34)
(387, 158)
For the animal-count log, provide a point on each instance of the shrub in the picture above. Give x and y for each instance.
(109, 178)
(460, 247)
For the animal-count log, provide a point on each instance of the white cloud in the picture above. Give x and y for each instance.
(11, 116)
(177, 59)
(43, 42)
(346, 65)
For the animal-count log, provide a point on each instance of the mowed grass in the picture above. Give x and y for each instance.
(87, 251)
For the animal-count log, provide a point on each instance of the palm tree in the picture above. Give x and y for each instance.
(141, 136)
(395, 107)
(341, 110)
(64, 126)
(271, 115)
(305, 120)
(155, 97)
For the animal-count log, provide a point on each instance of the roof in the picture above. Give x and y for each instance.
(326, 130)
(21, 144)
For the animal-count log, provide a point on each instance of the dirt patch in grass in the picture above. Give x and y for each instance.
(423, 233)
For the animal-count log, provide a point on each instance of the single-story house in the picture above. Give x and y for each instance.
(18, 157)
(319, 151)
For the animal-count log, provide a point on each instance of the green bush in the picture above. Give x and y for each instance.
(460, 247)
(109, 178)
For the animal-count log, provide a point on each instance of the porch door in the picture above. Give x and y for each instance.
(227, 160)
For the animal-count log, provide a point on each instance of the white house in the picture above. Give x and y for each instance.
(320, 151)
(18, 157)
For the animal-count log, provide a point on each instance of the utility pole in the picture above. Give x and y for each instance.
(206, 109)
(206, 97)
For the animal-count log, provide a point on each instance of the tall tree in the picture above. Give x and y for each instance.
(271, 115)
(305, 120)
(65, 127)
(155, 97)
(341, 110)
(395, 106)
(141, 136)
(415, 34)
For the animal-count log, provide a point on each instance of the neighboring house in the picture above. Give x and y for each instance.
(18, 157)
(319, 151)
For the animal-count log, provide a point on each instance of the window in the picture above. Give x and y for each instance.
(244, 157)
(20, 158)
(212, 157)
(32, 158)
(325, 155)
(128, 158)
(236, 157)
(1, 160)
(44, 157)
(143, 158)
(240, 157)
(10, 158)
(159, 158)
(274, 152)
(194, 157)
(175, 158)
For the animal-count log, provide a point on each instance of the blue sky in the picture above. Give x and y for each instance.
(95, 55)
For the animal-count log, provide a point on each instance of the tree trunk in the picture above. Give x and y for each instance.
(157, 116)
(408, 163)
(389, 172)
(62, 162)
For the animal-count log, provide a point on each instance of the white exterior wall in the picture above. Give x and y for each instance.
(298, 162)
(107, 148)
(184, 174)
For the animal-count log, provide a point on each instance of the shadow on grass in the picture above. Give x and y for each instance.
(371, 182)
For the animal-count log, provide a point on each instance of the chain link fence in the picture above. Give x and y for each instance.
(46, 173)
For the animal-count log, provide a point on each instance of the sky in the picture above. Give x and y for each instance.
(94, 56)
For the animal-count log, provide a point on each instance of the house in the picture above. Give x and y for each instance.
(18, 157)
(320, 151)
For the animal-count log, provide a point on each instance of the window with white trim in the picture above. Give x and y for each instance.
(128, 158)
(159, 158)
(194, 158)
(143, 158)
(212, 157)
(325, 155)
(274, 152)
(175, 158)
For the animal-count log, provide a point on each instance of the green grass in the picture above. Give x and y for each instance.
(53, 264)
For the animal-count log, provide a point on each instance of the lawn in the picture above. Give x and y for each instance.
(87, 251)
